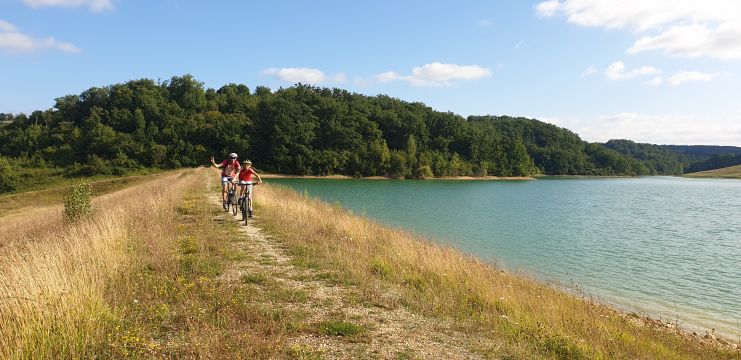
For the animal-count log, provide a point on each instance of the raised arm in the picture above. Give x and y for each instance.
(214, 163)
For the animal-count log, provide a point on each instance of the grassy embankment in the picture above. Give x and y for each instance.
(47, 186)
(522, 317)
(138, 279)
(731, 172)
(143, 278)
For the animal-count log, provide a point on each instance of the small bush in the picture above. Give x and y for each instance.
(8, 176)
(78, 203)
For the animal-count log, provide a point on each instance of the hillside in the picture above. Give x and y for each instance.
(300, 130)
(731, 172)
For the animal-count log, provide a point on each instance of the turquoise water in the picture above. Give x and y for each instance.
(666, 247)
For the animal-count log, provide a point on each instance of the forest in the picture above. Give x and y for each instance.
(302, 130)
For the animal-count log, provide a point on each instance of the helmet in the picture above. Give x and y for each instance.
(247, 162)
(233, 155)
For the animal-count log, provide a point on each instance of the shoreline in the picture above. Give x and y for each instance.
(700, 332)
(384, 266)
(347, 177)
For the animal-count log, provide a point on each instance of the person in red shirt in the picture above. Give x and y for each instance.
(229, 168)
(245, 182)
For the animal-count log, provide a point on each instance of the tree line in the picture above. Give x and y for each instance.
(303, 130)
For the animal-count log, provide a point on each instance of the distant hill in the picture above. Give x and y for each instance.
(731, 172)
(307, 130)
(706, 150)
(717, 161)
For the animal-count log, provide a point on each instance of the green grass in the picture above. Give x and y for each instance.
(340, 328)
(731, 172)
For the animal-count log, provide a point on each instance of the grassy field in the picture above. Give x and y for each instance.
(731, 172)
(161, 271)
(52, 191)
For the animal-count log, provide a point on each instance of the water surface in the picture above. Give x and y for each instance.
(667, 247)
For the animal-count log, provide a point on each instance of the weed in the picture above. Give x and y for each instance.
(340, 328)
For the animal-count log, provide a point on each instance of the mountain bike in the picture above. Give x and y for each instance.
(231, 196)
(245, 201)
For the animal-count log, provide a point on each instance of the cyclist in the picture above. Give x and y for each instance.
(245, 182)
(229, 167)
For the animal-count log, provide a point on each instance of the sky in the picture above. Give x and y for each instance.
(656, 71)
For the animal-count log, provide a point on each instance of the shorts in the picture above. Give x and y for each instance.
(249, 185)
(226, 179)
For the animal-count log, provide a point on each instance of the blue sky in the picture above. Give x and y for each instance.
(660, 71)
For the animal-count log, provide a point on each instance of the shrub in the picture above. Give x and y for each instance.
(8, 176)
(78, 203)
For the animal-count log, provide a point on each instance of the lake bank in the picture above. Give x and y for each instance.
(640, 244)
(436, 280)
(346, 177)
(731, 172)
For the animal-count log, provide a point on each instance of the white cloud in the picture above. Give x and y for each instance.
(94, 5)
(616, 71)
(591, 70)
(437, 74)
(387, 76)
(339, 78)
(709, 28)
(656, 81)
(7, 27)
(13, 41)
(691, 76)
(297, 75)
(304, 76)
(519, 44)
(548, 8)
(694, 40)
(656, 129)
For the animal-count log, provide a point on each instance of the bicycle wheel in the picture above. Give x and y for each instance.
(234, 209)
(243, 209)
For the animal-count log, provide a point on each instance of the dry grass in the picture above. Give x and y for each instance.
(139, 279)
(53, 192)
(731, 172)
(54, 277)
(524, 318)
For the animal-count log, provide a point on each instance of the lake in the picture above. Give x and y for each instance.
(663, 246)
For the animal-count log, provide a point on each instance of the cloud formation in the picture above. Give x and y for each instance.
(691, 76)
(616, 71)
(655, 129)
(709, 28)
(303, 75)
(94, 5)
(437, 74)
(14, 42)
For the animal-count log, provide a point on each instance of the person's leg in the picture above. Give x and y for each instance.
(250, 193)
(241, 192)
(224, 185)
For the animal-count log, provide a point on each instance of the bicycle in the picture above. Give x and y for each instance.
(245, 201)
(230, 196)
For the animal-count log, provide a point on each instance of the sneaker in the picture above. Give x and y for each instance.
(250, 213)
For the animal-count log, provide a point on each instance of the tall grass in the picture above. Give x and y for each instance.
(522, 317)
(54, 277)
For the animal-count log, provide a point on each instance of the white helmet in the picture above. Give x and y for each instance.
(233, 155)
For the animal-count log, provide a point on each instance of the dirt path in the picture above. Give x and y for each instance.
(386, 332)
